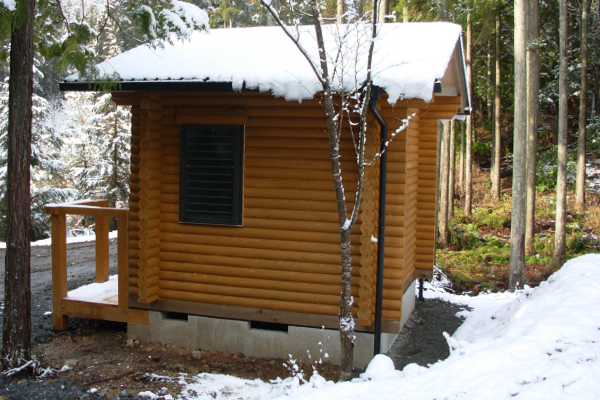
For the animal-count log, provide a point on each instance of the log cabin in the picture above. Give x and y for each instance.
(231, 240)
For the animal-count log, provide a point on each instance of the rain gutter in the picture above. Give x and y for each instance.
(375, 93)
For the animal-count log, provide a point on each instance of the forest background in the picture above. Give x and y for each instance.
(81, 140)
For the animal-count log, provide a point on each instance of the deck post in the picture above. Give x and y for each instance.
(59, 270)
(102, 253)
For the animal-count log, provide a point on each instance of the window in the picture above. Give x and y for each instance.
(211, 174)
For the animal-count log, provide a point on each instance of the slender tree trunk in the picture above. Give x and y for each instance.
(461, 161)
(270, 19)
(442, 7)
(452, 177)
(580, 188)
(383, 9)
(469, 134)
(340, 10)
(519, 190)
(561, 182)
(405, 13)
(488, 83)
(533, 93)
(497, 155)
(443, 185)
(16, 340)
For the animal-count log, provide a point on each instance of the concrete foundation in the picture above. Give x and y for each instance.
(233, 336)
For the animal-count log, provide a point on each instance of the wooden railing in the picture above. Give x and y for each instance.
(62, 306)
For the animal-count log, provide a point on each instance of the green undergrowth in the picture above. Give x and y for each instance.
(478, 253)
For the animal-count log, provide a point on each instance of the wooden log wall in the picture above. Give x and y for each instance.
(369, 221)
(442, 107)
(286, 256)
(150, 189)
(134, 196)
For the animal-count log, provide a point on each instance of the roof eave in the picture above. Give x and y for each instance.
(459, 59)
(162, 86)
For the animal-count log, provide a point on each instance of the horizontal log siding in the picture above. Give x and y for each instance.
(151, 116)
(401, 180)
(286, 256)
(134, 197)
(441, 107)
(368, 226)
(412, 177)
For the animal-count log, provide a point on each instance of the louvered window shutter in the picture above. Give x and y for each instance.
(210, 177)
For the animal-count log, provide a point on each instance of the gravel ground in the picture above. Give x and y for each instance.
(421, 340)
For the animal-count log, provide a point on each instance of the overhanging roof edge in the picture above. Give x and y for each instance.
(155, 86)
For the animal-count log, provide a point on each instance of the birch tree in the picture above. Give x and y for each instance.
(356, 99)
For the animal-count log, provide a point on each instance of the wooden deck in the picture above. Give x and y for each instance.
(109, 299)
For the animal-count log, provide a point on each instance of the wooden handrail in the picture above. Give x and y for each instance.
(100, 210)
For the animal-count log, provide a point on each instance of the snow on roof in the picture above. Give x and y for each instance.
(408, 58)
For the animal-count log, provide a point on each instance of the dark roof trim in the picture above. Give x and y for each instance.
(163, 86)
(465, 92)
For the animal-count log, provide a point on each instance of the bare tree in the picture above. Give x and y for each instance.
(335, 117)
(533, 93)
(580, 185)
(497, 142)
(469, 133)
(561, 181)
(517, 229)
(16, 340)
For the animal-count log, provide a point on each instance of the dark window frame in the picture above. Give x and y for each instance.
(236, 217)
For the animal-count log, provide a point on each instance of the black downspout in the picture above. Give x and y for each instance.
(375, 93)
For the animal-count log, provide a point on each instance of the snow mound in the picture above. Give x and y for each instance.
(541, 343)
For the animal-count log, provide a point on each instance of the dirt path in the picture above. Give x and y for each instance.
(80, 263)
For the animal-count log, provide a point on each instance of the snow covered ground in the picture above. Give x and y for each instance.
(541, 343)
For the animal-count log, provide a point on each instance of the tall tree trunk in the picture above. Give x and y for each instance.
(443, 185)
(452, 177)
(497, 154)
(488, 83)
(340, 10)
(16, 340)
(561, 181)
(383, 9)
(405, 13)
(580, 189)
(519, 191)
(469, 134)
(533, 93)
(442, 10)
(461, 161)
